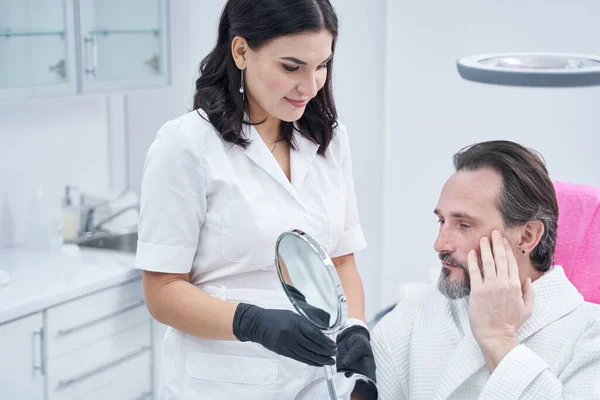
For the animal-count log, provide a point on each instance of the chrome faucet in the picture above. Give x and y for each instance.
(88, 225)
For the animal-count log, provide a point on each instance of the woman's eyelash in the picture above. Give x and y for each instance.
(292, 69)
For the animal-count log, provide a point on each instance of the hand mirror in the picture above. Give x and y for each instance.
(312, 285)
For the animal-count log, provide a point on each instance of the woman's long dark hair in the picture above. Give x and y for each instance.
(259, 21)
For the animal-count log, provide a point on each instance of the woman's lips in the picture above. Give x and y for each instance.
(297, 103)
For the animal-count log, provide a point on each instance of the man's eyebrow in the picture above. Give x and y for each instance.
(461, 215)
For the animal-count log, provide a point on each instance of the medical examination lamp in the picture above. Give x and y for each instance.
(532, 69)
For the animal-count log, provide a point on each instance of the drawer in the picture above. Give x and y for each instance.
(116, 384)
(85, 320)
(120, 386)
(119, 392)
(119, 364)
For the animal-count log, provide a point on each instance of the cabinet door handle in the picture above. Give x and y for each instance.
(64, 332)
(40, 366)
(94, 55)
(88, 374)
(88, 53)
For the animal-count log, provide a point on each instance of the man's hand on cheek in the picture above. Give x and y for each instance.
(498, 305)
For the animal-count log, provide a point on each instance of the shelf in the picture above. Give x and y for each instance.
(8, 34)
(107, 32)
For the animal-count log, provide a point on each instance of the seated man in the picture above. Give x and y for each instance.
(503, 323)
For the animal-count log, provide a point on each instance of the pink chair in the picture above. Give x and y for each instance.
(578, 237)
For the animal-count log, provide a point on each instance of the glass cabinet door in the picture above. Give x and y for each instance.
(36, 48)
(123, 44)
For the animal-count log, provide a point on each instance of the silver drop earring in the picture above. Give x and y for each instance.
(242, 91)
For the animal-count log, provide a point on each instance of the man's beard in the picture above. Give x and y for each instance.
(455, 289)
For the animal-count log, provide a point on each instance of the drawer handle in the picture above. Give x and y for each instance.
(65, 332)
(70, 382)
(41, 366)
(144, 396)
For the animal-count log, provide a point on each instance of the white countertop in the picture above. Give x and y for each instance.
(41, 280)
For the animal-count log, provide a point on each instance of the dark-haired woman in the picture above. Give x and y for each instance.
(261, 153)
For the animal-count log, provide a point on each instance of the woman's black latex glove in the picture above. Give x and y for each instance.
(355, 353)
(285, 333)
(316, 314)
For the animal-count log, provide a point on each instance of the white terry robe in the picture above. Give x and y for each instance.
(424, 349)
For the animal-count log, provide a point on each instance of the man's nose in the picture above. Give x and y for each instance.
(444, 242)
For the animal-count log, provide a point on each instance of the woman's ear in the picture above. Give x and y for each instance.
(239, 51)
(531, 236)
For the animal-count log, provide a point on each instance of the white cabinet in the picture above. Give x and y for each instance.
(123, 44)
(84, 321)
(22, 359)
(100, 344)
(62, 47)
(120, 363)
(95, 347)
(37, 48)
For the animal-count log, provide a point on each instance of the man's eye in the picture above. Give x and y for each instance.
(465, 226)
(441, 222)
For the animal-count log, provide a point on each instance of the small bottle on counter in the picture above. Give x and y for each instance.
(70, 216)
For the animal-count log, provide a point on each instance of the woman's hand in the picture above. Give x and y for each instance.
(355, 353)
(285, 333)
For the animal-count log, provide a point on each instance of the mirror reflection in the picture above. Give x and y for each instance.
(307, 281)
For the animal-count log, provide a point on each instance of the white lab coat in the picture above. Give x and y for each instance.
(424, 349)
(215, 211)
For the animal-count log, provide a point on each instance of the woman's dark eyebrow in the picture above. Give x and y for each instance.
(293, 59)
(300, 62)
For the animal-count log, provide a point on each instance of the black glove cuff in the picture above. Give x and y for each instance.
(354, 329)
(239, 324)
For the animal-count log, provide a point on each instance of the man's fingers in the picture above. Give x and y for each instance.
(474, 271)
(513, 268)
(528, 296)
(499, 256)
(487, 259)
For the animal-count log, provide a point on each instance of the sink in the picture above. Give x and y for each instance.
(119, 241)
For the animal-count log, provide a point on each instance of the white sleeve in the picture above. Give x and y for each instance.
(522, 374)
(173, 203)
(353, 238)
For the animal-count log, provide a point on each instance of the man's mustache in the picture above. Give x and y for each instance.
(449, 259)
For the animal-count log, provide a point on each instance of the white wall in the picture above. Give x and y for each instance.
(47, 144)
(359, 88)
(430, 113)
(193, 33)
(76, 140)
